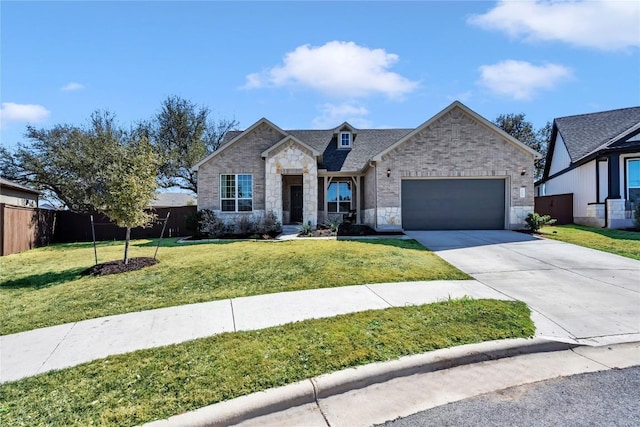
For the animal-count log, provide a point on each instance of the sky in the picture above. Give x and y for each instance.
(314, 65)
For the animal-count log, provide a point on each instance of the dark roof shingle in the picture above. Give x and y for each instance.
(585, 133)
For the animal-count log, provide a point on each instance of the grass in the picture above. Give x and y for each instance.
(619, 242)
(138, 387)
(43, 287)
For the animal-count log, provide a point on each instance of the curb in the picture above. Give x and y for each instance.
(310, 390)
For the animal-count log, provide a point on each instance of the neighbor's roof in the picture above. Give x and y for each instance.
(585, 133)
(16, 186)
(173, 200)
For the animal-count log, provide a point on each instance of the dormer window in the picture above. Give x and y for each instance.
(345, 140)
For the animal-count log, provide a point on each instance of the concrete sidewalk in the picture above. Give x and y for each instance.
(30, 353)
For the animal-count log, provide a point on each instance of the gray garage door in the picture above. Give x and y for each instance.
(453, 204)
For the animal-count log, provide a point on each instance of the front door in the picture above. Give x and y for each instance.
(296, 203)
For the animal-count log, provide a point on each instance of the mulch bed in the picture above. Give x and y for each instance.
(114, 267)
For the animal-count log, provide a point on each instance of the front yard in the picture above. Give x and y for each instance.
(44, 287)
(134, 388)
(619, 242)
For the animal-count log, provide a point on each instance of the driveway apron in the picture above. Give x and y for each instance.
(575, 293)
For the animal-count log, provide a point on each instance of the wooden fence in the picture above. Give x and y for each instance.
(559, 207)
(26, 228)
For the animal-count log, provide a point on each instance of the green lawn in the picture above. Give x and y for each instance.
(620, 242)
(134, 388)
(43, 287)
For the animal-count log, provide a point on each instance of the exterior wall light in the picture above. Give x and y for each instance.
(388, 172)
(523, 171)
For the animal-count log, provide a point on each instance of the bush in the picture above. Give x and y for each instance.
(245, 226)
(270, 225)
(636, 215)
(305, 230)
(535, 221)
(332, 225)
(192, 224)
(210, 225)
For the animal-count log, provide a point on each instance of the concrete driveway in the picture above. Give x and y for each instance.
(575, 293)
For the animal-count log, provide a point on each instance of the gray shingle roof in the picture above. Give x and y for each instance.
(366, 144)
(585, 133)
(16, 186)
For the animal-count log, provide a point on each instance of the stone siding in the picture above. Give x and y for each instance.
(456, 146)
(292, 158)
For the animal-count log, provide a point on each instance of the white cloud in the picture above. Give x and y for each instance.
(332, 115)
(336, 69)
(69, 87)
(520, 79)
(600, 24)
(17, 113)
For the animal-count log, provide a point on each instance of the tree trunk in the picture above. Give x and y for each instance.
(126, 245)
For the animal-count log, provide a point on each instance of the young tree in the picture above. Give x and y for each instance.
(520, 128)
(182, 133)
(127, 184)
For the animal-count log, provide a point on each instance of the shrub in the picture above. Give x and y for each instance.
(535, 221)
(332, 225)
(245, 225)
(211, 225)
(636, 215)
(305, 230)
(269, 225)
(192, 224)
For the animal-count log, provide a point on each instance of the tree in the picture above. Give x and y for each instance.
(518, 127)
(127, 184)
(182, 133)
(96, 168)
(63, 161)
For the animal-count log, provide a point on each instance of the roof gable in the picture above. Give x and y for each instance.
(284, 140)
(237, 138)
(587, 133)
(470, 113)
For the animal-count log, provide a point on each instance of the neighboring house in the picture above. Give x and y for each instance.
(455, 171)
(17, 194)
(596, 157)
(173, 200)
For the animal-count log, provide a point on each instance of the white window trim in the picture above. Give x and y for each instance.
(236, 198)
(340, 140)
(627, 181)
(337, 202)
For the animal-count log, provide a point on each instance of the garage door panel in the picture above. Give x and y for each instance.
(453, 204)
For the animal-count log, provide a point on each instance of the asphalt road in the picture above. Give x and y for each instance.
(608, 398)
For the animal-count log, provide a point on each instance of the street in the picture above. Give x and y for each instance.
(606, 398)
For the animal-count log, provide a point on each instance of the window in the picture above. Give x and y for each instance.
(236, 193)
(345, 140)
(633, 180)
(339, 197)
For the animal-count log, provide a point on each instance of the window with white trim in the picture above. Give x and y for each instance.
(236, 193)
(633, 180)
(345, 140)
(339, 197)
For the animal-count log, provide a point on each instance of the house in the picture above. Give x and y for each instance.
(15, 194)
(455, 171)
(596, 157)
(172, 200)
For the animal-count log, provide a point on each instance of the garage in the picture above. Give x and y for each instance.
(453, 204)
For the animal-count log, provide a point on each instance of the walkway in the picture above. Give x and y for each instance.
(41, 350)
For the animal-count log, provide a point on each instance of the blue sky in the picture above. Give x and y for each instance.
(315, 64)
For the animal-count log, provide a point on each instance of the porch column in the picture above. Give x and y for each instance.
(358, 197)
(614, 176)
